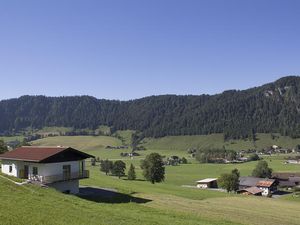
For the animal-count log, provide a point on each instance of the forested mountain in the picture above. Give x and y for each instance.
(274, 107)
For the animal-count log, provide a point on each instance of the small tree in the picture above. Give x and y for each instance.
(106, 166)
(262, 170)
(230, 182)
(3, 147)
(131, 173)
(184, 160)
(153, 168)
(119, 168)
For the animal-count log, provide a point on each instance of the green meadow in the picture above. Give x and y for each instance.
(139, 201)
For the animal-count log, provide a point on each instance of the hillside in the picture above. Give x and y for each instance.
(217, 141)
(80, 142)
(32, 205)
(271, 108)
(162, 204)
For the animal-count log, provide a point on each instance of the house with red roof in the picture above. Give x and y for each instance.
(57, 167)
(251, 185)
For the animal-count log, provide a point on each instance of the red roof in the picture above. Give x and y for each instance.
(253, 190)
(33, 153)
(265, 183)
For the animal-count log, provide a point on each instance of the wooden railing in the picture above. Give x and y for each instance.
(61, 177)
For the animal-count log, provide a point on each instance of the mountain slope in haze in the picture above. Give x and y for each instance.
(274, 107)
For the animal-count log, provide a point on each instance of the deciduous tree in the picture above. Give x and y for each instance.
(262, 170)
(153, 168)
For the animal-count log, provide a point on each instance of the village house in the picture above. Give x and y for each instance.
(267, 186)
(207, 183)
(287, 180)
(57, 167)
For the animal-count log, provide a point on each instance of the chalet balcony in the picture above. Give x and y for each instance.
(60, 177)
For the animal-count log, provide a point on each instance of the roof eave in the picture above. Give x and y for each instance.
(25, 160)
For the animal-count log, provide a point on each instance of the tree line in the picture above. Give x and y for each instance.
(152, 166)
(272, 108)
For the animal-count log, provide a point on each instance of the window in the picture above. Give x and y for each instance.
(10, 169)
(35, 171)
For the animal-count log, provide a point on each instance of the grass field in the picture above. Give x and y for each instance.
(32, 205)
(54, 130)
(169, 202)
(163, 204)
(85, 143)
(217, 140)
(208, 204)
(12, 138)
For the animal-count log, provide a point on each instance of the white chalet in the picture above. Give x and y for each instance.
(57, 167)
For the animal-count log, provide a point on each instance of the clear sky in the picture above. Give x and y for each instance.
(126, 49)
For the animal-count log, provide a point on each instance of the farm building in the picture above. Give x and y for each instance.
(251, 191)
(207, 183)
(268, 186)
(57, 167)
(287, 180)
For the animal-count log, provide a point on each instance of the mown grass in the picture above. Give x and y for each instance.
(54, 130)
(85, 143)
(125, 136)
(170, 203)
(32, 205)
(203, 203)
(217, 140)
(12, 138)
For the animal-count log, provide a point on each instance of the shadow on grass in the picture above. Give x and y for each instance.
(134, 180)
(281, 193)
(108, 196)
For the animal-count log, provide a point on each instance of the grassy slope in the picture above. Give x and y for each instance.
(125, 135)
(169, 199)
(33, 205)
(80, 142)
(54, 129)
(13, 138)
(216, 140)
(203, 203)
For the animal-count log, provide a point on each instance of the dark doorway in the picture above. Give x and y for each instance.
(26, 171)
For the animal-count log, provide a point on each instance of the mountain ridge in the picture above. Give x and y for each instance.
(273, 107)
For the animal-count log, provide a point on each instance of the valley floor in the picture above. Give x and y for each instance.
(140, 202)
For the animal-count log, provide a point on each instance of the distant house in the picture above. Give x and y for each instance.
(57, 167)
(268, 186)
(287, 180)
(207, 183)
(293, 161)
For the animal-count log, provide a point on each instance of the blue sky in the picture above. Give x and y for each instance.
(119, 49)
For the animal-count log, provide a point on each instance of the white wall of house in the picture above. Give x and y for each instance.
(6, 165)
(203, 186)
(266, 191)
(44, 169)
